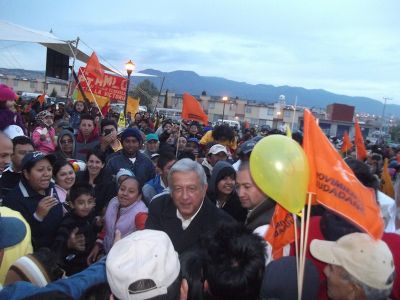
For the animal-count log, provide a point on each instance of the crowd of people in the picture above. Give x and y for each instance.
(166, 210)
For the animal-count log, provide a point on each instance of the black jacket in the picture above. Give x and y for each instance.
(261, 215)
(143, 168)
(25, 200)
(162, 216)
(74, 261)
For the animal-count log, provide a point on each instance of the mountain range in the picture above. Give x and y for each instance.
(188, 81)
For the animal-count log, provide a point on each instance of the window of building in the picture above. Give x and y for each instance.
(248, 109)
(287, 113)
(63, 88)
(211, 105)
(270, 112)
(15, 82)
(32, 84)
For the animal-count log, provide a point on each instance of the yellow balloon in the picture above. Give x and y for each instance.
(279, 167)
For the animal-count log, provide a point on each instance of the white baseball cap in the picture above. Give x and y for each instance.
(217, 148)
(368, 260)
(143, 255)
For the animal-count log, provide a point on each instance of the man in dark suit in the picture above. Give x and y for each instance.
(185, 214)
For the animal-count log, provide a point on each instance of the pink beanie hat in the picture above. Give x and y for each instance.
(6, 93)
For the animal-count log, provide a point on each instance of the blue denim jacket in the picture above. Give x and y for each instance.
(75, 285)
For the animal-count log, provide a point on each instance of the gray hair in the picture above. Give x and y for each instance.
(188, 165)
(370, 292)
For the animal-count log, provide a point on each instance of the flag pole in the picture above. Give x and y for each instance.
(88, 85)
(73, 63)
(294, 112)
(296, 243)
(179, 135)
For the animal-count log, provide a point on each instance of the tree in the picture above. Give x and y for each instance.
(53, 93)
(146, 91)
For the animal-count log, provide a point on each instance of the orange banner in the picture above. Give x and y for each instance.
(110, 86)
(192, 110)
(335, 184)
(281, 231)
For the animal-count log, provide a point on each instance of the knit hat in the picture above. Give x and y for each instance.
(123, 172)
(131, 132)
(28, 268)
(280, 280)
(151, 137)
(6, 93)
(145, 255)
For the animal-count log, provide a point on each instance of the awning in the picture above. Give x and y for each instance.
(17, 33)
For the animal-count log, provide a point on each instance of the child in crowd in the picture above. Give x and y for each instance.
(78, 231)
(43, 136)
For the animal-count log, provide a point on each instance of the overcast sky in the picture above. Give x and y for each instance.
(346, 47)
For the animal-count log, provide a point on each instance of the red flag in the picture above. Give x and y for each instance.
(192, 110)
(359, 141)
(93, 66)
(335, 184)
(347, 145)
(281, 231)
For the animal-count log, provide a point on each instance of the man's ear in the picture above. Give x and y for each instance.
(184, 290)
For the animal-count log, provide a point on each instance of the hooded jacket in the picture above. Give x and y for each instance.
(61, 154)
(232, 205)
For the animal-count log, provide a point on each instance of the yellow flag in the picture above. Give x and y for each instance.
(386, 181)
(101, 101)
(133, 106)
(121, 121)
(288, 131)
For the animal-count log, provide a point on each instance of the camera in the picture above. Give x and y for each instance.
(107, 131)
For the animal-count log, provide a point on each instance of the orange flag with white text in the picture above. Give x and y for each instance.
(335, 185)
(93, 66)
(192, 110)
(347, 144)
(280, 231)
(361, 152)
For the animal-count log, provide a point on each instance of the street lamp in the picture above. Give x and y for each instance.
(224, 99)
(129, 67)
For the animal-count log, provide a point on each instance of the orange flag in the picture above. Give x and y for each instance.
(281, 231)
(192, 110)
(386, 180)
(93, 66)
(359, 141)
(335, 184)
(347, 145)
(42, 98)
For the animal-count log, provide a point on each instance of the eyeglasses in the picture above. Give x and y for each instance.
(65, 142)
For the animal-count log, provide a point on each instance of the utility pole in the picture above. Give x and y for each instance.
(383, 116)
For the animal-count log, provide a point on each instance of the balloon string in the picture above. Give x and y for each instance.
(296, 243)
(303, 243)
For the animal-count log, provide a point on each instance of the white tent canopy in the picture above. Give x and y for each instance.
(13, 32)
